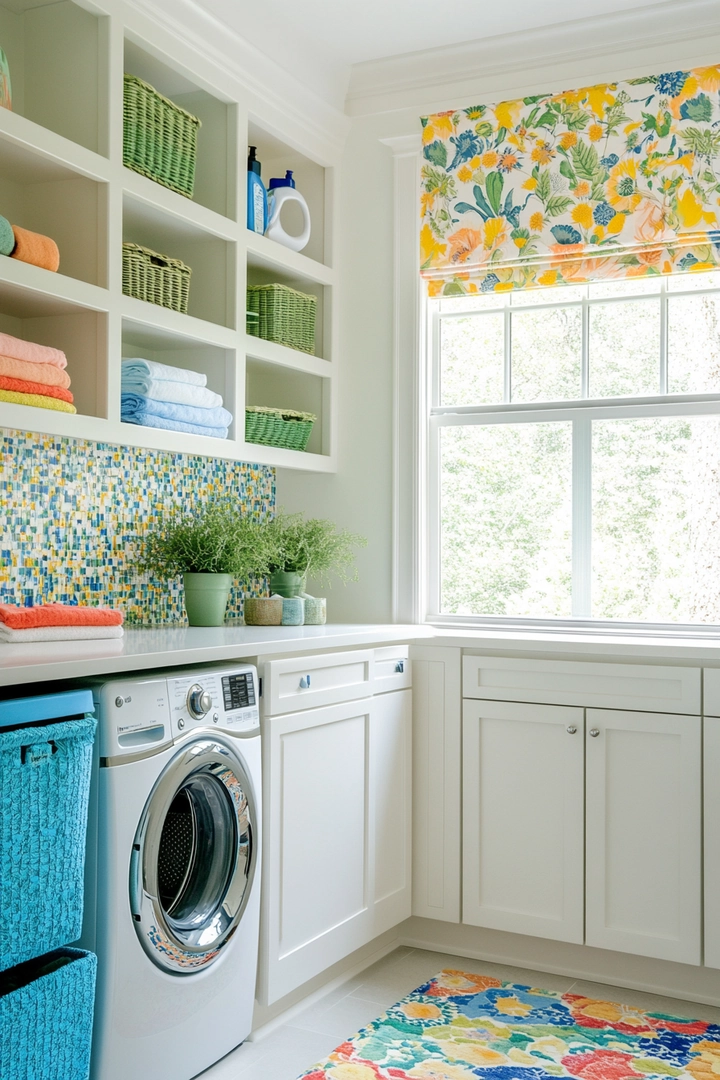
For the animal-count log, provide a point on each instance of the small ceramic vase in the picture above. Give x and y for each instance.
(263, 611)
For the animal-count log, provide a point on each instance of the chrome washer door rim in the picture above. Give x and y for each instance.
(214, 773)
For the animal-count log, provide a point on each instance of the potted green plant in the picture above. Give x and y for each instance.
(299, 546)
(209, 549)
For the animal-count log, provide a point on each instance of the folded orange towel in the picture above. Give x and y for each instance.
(29, 618)
(32, 247)
(30, 352)
(47, 374)
(23, 386)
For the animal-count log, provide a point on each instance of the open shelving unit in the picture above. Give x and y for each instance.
(62, 174)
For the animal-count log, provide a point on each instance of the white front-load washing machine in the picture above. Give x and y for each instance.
(173, 881)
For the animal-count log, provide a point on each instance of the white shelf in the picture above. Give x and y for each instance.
(258, 349)
(28, 292)
(153, 204)
(168, 326)
(47, 155)
(268, 254)
(286, 459)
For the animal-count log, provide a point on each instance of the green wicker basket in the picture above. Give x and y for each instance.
(159, 138)
(155, 278)
(286, 315)
(278, 427)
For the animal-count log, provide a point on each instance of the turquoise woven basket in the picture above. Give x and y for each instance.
(46, 1017)
(44, 787)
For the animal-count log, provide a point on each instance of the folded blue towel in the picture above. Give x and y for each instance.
(176, 425)
(139, 368)
(132, 405)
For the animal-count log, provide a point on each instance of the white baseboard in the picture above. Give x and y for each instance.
(581, 962)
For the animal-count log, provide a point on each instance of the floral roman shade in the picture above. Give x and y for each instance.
(610, 181)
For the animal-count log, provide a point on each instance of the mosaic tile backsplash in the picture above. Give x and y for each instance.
(73, 513)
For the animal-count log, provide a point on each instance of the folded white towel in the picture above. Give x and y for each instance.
(59, 633)
(168, 390)
(138, 367)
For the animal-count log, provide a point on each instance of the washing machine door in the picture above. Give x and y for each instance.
(193, 857)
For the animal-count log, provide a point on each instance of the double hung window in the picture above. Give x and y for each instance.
(574, 453)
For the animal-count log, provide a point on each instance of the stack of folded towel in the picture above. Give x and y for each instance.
(58, 622)
(34, 375)
(28, 246)
(161, 396)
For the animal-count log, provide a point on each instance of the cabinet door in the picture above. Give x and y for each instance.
(436, 782)
(523, 818)
(712, 841)
(391, 797)
(318, 843)
(643, 833)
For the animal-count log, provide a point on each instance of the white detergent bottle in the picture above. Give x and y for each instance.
(282, 191)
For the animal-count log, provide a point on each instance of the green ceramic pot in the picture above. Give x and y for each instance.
(206, 597)
(287, 583)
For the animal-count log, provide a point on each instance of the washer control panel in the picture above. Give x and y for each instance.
(226, 700)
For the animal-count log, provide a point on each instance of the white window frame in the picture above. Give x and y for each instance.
(581, 412)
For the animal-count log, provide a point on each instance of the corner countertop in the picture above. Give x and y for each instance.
(143, 649)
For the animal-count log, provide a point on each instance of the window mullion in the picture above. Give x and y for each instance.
(663, 337)
(581, 517)
(585, 363)
(507, 357)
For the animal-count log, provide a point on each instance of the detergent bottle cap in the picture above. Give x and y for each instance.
(253, 163)
(285, 181)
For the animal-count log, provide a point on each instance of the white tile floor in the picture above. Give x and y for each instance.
(312, 1034)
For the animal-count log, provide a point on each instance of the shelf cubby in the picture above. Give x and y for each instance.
(216, 170)
(211, 258)
(283, 388)
(218, 364)
(276, 156)
(58, 59)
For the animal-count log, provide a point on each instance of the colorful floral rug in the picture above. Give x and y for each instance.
(460, 1027)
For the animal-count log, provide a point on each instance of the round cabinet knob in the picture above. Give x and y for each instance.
(199, 702)
(572, 730)
(181, 723)
(594, 732)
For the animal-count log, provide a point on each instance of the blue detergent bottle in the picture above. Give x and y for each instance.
(257, 204)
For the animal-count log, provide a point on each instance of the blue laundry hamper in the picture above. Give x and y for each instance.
(46, 1015)
(46, 746)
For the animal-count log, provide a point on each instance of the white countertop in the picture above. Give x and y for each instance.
(141, 649)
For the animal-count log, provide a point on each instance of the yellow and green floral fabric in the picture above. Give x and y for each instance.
(615, 180)
(461, 1026)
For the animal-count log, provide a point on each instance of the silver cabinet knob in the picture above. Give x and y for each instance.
(305, 682)
(572, 730)
(594, 732)
(181, 723)
(400, 666)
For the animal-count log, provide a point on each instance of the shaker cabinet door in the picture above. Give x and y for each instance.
(523, 818)
(391, 797)
(643, 868)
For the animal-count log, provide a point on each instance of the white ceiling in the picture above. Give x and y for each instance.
(319, 40)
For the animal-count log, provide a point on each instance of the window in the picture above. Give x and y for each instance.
(574, 453)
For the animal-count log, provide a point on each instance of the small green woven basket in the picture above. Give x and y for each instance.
(155, 278)
(278, 427)
(286, 315)
(159, 138)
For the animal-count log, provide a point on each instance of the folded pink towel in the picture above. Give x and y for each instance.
(30, 352)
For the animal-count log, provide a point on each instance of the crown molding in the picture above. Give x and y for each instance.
(432, 77)
(274, 92)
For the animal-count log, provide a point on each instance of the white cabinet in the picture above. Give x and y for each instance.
(523, 818)
(337, 804)
(712, 840)
(436, 782)
(644, 833)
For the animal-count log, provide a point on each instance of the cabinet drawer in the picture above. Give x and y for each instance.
(566, 682)
(392, 669)
(305, 683)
